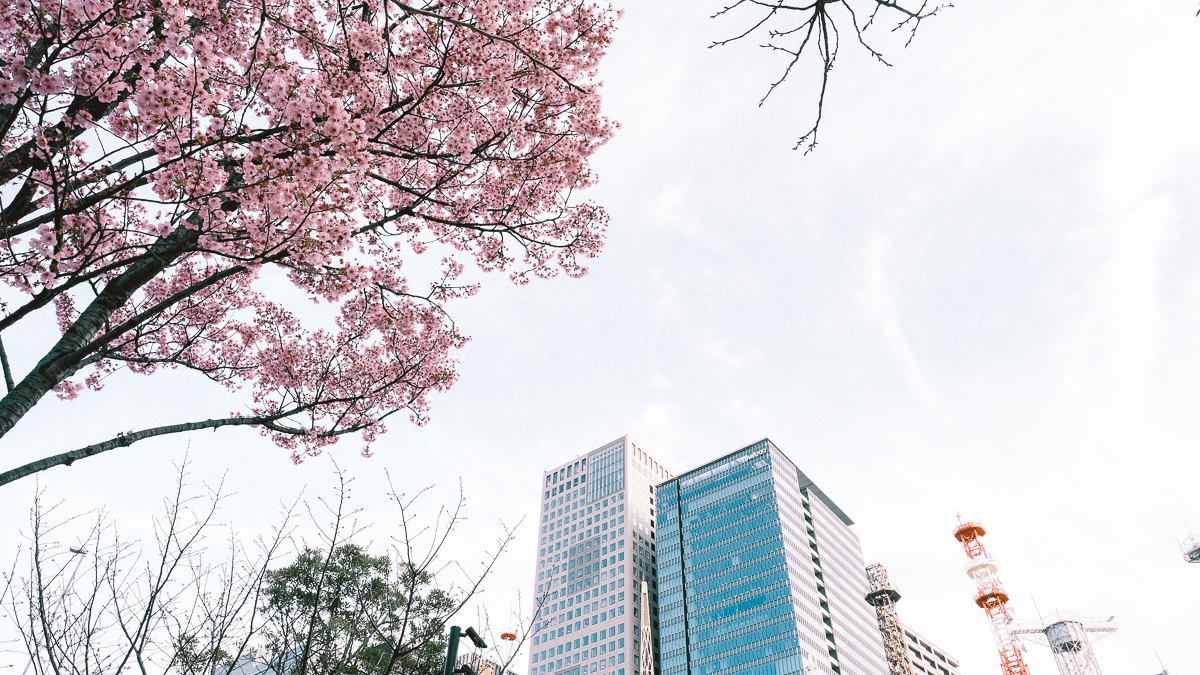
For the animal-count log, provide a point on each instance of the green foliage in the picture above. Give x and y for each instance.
(346, 612)
(194, 656)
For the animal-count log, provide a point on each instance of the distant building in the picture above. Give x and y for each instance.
(248, 664)
(595, 550)
(482, 665)
(760, 574)
(927, 658)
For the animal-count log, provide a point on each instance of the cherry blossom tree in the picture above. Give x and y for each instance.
(164, 162)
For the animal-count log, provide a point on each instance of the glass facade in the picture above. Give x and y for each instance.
(595, 554)
(608, 471)
(749, 582)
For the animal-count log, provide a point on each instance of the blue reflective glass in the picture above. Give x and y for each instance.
(725, 601)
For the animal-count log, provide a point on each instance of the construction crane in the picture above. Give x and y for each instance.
(991, 597)
(883, 597)
(1067, 637)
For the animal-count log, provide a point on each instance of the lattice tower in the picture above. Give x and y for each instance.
(991, 597)
(884, 598)
(1067, 637)
(646, 667)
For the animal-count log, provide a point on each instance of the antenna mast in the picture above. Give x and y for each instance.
(991, 597)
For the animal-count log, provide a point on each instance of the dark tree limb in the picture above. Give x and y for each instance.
(8, 380)
(121, 441)
(792, 28)
(52, 369)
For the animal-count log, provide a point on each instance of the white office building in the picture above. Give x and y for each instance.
(926, 658)
(596, 551)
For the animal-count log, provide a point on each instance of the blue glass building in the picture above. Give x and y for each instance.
(760, 574)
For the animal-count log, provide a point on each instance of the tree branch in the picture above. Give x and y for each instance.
(813, 26)
(8, 381)
(121, 441)
(52, 368)
(491, 36)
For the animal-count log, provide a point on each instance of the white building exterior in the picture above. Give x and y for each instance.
(595, 548)
(926, 658)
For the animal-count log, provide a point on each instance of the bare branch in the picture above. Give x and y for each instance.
(793, 28)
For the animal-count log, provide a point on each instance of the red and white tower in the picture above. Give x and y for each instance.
(991, 597)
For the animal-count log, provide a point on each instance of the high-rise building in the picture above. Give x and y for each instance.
(926, 658)
(760, 574)
(596, 554)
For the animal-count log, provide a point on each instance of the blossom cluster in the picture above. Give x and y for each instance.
(160, 157)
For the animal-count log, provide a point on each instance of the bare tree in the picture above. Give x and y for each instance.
(102, 606)
(338, 609)
(505, 644)
(170, 611)
(791, 28)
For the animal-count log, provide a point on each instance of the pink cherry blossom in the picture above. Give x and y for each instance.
(162, 158)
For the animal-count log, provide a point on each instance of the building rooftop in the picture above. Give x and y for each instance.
(806, 483)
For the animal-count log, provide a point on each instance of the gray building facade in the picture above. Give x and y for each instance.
(759, 573)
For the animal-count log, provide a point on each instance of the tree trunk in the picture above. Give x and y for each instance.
(59, 362)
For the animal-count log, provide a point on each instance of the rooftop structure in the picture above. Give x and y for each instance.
(1190, 548)
(1067, 637)
(907, 652)
(883, 598)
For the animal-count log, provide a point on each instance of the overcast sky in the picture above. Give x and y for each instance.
(981, 294)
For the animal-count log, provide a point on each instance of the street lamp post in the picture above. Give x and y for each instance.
(452, 651)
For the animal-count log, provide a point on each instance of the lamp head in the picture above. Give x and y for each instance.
(476, 639)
